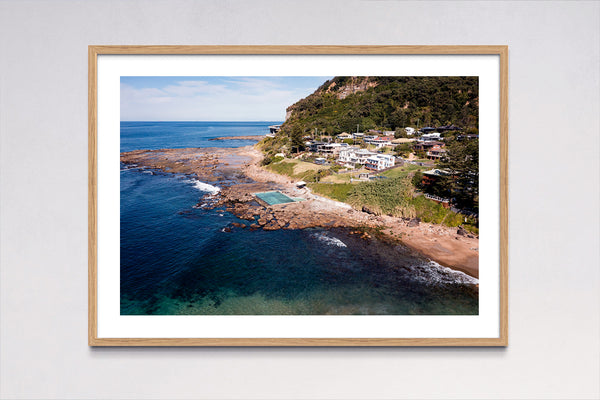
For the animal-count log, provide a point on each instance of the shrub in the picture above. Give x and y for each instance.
(417, 180)
(404, 149)
(435, 213)
(471, 228)
(453, 219)
(314, 176)
(394, 197)
(309, 176)
(386, 196)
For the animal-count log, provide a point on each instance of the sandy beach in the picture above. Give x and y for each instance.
(240, 174)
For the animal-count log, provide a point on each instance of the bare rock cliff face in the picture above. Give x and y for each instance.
(356, 84)
(353, 85)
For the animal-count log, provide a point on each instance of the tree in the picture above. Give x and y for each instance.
(472, 131)
(417, 180)
(462, 161)
(420, 154)
(368, 123)
(403, 150)
(296, 138)
(400, 133)
(321, 173)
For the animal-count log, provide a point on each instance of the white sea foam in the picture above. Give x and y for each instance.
(435, 273)
(205, 187)
(332, 241)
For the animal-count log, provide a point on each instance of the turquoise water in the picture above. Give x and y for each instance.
(272, 198)
(177, 258)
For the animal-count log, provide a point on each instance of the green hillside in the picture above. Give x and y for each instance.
(345, 104)
(389, 103)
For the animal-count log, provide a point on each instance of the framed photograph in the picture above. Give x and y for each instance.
(298, 196)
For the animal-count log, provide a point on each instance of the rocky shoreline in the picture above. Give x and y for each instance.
(239, 175)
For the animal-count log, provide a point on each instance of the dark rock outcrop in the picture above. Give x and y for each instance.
(413, 222)
(367, 210)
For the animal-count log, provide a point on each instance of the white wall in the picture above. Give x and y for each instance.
(554, 220)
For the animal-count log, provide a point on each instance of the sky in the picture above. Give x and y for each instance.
(212, 98)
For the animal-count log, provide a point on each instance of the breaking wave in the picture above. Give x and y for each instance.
(434, 273)
(332, 241)
(205, 187)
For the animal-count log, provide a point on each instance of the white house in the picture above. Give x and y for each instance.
(409, 131)
(332, 148)
(362, 155)
(431, 136)
(347, 156)
(379, 162)
(353, 156)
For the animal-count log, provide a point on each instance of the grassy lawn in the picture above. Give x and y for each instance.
(403, 171)
(336, 191)
(302, 167)
(338, 178)
(299, 169)
(285, 167)
(295, 168)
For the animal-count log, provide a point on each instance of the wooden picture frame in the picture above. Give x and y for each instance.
(94, 52)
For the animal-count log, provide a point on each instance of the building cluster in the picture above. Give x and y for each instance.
(353, 156)
(430, 141)
(432, 144)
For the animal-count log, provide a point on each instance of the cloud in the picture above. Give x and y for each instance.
(230, 99)
(254, 84)
(130, 94)
(194, 88)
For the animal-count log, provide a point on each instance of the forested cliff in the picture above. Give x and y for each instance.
(386, 103)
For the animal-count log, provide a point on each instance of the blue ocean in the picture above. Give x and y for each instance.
(179, 135)
(176, 259)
